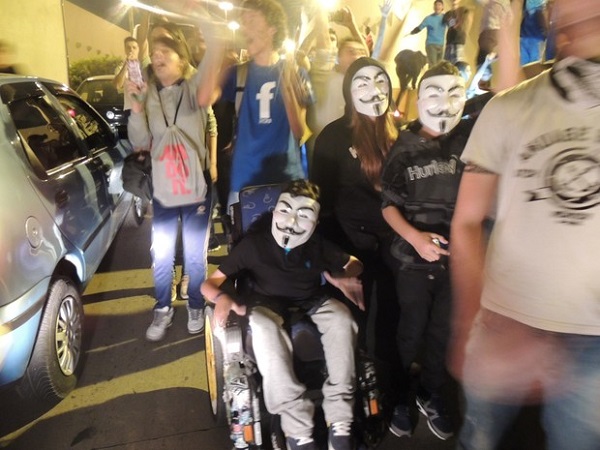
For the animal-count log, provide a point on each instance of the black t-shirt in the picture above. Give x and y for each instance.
(275, 272)
(453, 19)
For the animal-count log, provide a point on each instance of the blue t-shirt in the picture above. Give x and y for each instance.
(436, 29)
(265, 149)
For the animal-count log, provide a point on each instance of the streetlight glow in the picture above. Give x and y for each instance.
(289, 46)
(226, 6)
(329, 5)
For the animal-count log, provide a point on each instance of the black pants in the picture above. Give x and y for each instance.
(424, 297)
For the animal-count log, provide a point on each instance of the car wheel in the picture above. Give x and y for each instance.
(139, 208)
(52, 371)
(214, 369)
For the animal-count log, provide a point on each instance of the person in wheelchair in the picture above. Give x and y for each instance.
(286, 262)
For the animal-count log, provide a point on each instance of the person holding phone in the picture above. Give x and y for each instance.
(127, 69)
(168, 99)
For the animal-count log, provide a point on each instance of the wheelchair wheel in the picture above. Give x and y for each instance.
(214, 369)
(369, 419)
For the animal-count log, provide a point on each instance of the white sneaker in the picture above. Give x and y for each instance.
(340, 436)
(183, 287)
(195, 320)
(163, 318)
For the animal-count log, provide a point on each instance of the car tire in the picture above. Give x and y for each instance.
(54, 366)
(139, 208)
(214, 369)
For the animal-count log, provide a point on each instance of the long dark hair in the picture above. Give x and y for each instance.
(372, 138)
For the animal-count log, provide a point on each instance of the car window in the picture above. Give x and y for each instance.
(96, 134)
(44, 132)
(100, 92)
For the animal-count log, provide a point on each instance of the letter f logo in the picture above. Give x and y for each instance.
(264, 98)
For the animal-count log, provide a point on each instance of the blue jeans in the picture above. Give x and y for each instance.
(195, 230)
(565, 368)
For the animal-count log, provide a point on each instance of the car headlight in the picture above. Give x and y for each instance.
(110, 115)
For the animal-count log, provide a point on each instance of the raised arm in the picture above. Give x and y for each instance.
(119, 79)
(385, 8)
(389, 43)
(293, 95)
(346, 19)
(509, 63)
(210, 69)
(211, 144)
(142, 37)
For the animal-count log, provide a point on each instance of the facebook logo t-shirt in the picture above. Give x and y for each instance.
(265, 150)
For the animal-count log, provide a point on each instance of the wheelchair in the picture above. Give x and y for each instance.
(234, 382)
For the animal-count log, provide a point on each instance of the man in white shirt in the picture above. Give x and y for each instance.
(527, 309)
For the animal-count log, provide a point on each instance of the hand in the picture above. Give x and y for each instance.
(351, 287)
(386, 7)
(428, 246)
(345, 17)
(223, 306)
(137, 94)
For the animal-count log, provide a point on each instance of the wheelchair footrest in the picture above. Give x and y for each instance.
(240, 392)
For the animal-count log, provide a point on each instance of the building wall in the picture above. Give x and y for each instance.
(35, 29)
(90, 36)
(367, 12)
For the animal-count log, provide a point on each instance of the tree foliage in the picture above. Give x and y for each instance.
(88, 67)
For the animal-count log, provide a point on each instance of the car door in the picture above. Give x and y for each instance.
(106, 154)
(69, 177)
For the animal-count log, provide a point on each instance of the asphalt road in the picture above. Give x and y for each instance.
(133, 394)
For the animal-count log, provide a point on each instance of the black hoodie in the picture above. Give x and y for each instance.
(348, 200)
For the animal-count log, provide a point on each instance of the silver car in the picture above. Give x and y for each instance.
(62, 204)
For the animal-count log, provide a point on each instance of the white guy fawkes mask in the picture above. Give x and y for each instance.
(441, 102)
(370, 89)
(294, 220)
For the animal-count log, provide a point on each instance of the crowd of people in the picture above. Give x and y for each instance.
(468, 246)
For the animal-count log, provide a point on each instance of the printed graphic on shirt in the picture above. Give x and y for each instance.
(569, 176)
(434, 168)
(264, 97)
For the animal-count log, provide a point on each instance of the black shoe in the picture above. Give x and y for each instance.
(401, 424)
(213, 244)
(437, 419)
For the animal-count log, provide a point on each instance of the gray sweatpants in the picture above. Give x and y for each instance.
(283, 393)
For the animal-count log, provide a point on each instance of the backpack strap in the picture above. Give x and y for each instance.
(240, 85)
